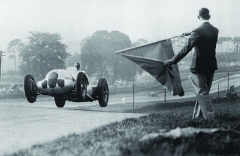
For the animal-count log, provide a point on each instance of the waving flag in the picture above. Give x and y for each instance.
(150, 57)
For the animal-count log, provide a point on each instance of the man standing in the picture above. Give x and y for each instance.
(204, 63)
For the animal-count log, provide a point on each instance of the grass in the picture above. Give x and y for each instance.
(125, 137)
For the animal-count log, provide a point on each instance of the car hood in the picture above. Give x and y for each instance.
(64, 74)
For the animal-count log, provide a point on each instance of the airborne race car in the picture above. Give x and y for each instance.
(69, 84)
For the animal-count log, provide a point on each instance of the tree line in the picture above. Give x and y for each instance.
(235, 40)
(45, 51)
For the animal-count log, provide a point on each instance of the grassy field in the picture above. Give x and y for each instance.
(148, 135)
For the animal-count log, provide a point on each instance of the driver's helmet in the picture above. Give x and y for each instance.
(77, 65)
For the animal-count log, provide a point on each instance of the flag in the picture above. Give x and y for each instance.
(150, 57)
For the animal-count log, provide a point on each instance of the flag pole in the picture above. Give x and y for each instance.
(119, 51)
(175, 37)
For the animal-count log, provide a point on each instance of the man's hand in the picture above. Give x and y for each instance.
(168, 63)
(186, 34)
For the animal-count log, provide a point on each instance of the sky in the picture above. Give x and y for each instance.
(152, 20)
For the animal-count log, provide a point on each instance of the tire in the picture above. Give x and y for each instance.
(103, 92)
(30, 88)
(59, 102)
(81, 86)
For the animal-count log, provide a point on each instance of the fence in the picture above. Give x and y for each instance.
(220, 89)
(227, 88)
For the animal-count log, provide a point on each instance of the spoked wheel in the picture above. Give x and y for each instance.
(103, 92)
(30, 88)
(59, 102)
(81, 86)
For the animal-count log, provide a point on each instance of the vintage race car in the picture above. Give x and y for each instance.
(69, 84)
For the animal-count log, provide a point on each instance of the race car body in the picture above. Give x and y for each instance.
(70, 84)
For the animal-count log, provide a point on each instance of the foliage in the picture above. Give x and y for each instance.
(98, 56)
(72, 59)
(44, 52)
(236, 40)
(221, 39)
(121, 85)
(228, 58)
(139, 42)
(14, 48)
(141, 81)
(145, 80)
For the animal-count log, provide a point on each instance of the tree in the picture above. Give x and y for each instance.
(178, 43)
(73, 59)
(44, 52)
(236, 41)
(220, 41)
(98, 56)
(14, 48)
(227, 39)
(139, 42)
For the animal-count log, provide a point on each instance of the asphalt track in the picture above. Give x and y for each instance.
(23, 124)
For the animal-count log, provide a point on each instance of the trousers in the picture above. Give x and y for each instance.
(202, 83)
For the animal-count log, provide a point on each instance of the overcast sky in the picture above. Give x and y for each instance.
(149, 19)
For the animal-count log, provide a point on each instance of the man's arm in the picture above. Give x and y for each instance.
(185, 50)
(186, 34)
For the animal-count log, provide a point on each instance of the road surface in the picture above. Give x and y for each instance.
(23, 124)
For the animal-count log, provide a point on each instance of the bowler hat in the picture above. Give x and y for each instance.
(204, 12)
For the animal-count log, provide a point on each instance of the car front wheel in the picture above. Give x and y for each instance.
(81, 86)
(30, 88)
(103, 92)
(59, 102)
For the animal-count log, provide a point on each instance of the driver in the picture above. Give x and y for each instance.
(77, 65)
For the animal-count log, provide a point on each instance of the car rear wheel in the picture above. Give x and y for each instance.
(103, 92)
(59, 102)
(30, 88)
(81, 86)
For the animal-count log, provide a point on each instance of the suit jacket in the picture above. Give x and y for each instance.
(204, 40)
